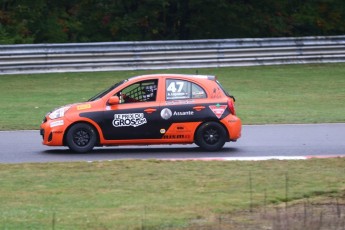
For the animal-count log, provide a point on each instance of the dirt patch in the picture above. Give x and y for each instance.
(323, 213)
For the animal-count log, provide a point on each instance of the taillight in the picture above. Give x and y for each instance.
(231, 106)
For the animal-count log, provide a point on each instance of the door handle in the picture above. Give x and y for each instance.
(150, 110)
(198, 108)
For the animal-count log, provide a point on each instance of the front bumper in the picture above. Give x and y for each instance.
(52, 132)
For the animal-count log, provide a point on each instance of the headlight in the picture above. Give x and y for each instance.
(58, 112)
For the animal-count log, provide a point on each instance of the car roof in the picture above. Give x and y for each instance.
(188, 76)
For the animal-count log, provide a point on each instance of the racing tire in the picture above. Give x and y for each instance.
(81, 138)
(211, 136)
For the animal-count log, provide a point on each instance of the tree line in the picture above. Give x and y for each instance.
(62, 21)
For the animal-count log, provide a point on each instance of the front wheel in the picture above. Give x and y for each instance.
(81, 138)
(211, 136)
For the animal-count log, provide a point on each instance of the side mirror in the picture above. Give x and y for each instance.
(114, 100)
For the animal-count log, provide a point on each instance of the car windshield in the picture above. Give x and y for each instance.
(104, 92)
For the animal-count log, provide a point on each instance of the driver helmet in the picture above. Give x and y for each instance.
(149, 91)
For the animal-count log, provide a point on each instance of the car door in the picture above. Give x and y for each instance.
(135, 117)
(136, 114)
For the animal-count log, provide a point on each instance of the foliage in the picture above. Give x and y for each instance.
(39, 21)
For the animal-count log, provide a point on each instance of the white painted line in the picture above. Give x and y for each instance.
(262, 158)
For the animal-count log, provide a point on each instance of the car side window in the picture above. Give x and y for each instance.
(197, 91)
(139, 92)
(180, 89)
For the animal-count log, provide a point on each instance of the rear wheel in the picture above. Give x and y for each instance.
(211, 136)
(81, 138)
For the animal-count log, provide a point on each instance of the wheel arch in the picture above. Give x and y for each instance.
(210, 120)
(83, 122)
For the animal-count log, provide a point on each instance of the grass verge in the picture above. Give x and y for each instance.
(175, 195)
(155, 194)
(265, 94)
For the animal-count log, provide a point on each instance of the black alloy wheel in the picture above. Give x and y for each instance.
(81, 138)
(211, 136)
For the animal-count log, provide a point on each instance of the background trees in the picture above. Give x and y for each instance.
(50, 21)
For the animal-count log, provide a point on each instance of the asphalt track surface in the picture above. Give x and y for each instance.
(257, 142)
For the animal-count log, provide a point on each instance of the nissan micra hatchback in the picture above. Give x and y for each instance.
(148, 109)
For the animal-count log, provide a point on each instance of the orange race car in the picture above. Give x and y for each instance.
(148, 109)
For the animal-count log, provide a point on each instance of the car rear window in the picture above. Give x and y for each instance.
(222, 88)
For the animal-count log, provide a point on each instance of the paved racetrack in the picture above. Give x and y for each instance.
(271, 141)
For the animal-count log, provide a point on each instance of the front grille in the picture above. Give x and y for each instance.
(42, 133)
(50, 138)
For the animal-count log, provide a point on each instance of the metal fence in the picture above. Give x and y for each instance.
(112, 56)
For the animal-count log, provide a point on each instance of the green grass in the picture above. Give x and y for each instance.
(265, 94)
(158, 194)
(153, 194)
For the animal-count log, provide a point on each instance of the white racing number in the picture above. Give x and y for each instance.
(176, 90)
(172, 86)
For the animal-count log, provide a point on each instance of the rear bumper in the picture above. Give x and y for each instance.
(234, 126)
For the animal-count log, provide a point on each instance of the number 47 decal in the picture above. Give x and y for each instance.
(172, 86)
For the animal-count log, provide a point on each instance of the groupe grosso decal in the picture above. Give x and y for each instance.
(129, 119)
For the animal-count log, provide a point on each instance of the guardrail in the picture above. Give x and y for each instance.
(112, 56)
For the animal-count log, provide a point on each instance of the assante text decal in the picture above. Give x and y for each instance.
(166, 113)
(185, 113)
(129, 119)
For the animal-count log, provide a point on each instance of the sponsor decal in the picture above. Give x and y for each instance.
(166, 113)
(218, 110)
(129, 119)
(176, 102)
(56, 123)
(200, 94)
(216, 93)
(185, 113)
(84, 106)
(58, 132)
(176, 136)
